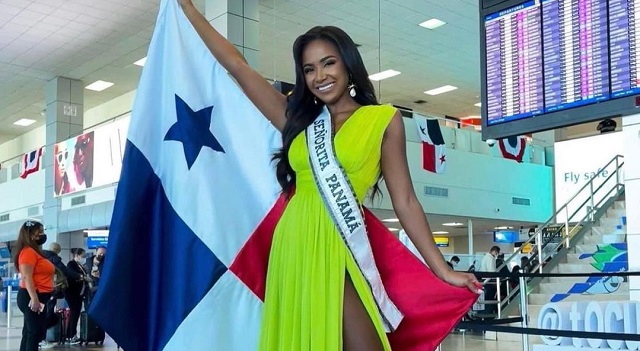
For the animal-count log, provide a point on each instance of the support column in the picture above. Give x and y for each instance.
(237, 20)
(64, 108)
(631, 134)
(470, 236)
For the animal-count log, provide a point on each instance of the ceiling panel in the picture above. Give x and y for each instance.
(100, 39)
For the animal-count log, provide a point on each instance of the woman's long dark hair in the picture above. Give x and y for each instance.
(28, 229)
(301, 108)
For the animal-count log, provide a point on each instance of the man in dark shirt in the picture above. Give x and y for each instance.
(454, 262)
(94, 264)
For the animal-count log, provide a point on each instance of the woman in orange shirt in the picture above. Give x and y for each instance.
(36, 285)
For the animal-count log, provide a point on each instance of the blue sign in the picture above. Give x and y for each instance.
(93, 242)
(4, 252)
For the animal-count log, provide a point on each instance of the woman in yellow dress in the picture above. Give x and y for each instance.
(316, 295)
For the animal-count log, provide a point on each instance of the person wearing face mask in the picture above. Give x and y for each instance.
(36, 284)
(488, 263)
(94, 265)
(53, 255)
(74, 293)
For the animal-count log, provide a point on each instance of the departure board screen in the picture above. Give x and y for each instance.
(514, 63)
(624, 21)
(555, 63)
(576, 53)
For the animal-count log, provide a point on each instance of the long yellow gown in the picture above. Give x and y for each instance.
(308, 260)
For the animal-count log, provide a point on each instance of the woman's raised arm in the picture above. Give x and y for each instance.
(267, 99)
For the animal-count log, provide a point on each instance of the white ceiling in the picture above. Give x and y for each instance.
(80, 39)
(100, 39)
(391, 39)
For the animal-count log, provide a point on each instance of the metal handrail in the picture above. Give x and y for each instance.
(551, 220)
(589, 183)
(542, 242)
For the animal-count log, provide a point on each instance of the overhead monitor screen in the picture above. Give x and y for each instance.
(514, 63)
(576, 54)
(554, 63)
(624, 40)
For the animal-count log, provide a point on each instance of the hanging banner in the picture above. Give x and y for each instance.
(30, 162)
(91, 159)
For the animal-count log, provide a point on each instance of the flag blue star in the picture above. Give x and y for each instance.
(192, 130)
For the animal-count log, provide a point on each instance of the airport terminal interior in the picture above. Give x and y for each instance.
(522, 135)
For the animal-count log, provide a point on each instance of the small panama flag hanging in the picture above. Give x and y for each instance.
(434, 150)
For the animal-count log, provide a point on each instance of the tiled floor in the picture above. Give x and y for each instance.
(471, 342)
(10, 341)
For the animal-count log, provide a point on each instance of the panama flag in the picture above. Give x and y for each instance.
(185, 208)
(195, 211)
(434, 150)
(30, 163)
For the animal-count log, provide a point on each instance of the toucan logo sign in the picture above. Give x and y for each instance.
(601, 317)
(609, 258)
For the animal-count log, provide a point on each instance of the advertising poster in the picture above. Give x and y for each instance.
(578, 161)
(108, 152)
(90, 160)
(73, 164)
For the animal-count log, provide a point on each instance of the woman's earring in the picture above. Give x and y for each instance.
(352, 90)
(315, 100)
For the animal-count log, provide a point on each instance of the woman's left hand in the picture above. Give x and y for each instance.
(462, 279)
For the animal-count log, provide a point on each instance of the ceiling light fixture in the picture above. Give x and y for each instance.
(452, 224)
(440, 232)
(384, 75)
(394, 229)
(141, 62)
(478, 104)
(25, 122)
(99, 85)
(441, 90)
(503, 228)
(391, 220)
(432, 23)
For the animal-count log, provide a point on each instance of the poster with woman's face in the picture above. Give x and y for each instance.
(90, 160)
(73, 164)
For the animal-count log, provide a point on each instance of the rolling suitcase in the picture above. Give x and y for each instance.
(90, 331)
(57, 324)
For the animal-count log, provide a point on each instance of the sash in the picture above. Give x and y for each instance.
(339, 199)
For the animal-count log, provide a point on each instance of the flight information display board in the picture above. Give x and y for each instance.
(514, 64)
(553, 63)
(576, 54)
(625, 42)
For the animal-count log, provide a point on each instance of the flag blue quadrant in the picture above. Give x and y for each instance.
(153, 255)
(192, 130)
(197, 180)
